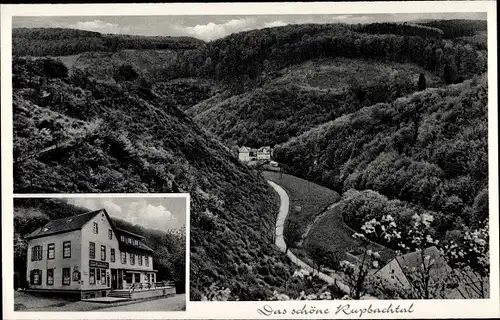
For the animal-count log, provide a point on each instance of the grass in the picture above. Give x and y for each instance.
(307, 199)
(332, 232)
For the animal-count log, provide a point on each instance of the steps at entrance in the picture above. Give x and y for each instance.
(120, 294)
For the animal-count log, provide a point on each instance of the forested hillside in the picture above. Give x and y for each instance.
(424, 153)
(352, 66)
(63, 42)
(305, 95)
(78, 134)
(169, 247)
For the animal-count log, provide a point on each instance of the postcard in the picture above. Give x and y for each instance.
(250, 160)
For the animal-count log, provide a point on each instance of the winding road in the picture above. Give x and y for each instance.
(280, 240)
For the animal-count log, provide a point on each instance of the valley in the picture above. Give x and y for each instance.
(379, 133)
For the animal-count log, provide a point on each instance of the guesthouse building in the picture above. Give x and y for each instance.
(88, 256)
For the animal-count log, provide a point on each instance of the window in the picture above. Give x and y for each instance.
(103, 253)
(103, 276)
(67, 249)
(110, 234)
(129, 240)
(66, 276)
(51, 248)
(98, 275)
(36, 277)
(92, 276)
(36, 253)
(136, 242)
(139, 259)
(146, 259)
(132, 258)
(122, 238)
(112, 255)
(124, 257)
(96, 228)
(50, 277)
(91, 250)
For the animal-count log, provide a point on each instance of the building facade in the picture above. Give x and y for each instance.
(86, 255)
(264, 153)
(244, 154)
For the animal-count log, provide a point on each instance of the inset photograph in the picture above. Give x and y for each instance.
(108, 253)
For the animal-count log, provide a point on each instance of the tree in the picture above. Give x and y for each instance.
(125, 72)
(291, 233)
(421, 82)
(318, 254)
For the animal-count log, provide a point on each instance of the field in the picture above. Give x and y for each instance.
(306, 199)
(331, 231)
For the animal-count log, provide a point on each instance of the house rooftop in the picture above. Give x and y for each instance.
(64, 224)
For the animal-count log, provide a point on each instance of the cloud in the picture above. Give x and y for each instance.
(277, 23)
(211, 30)
(133, 210)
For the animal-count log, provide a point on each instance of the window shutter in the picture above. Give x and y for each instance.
(41, 277)
(32, 254)
(31, 276)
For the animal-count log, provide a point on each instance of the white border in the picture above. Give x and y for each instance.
(242, 310)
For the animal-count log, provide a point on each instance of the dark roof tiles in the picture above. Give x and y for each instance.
(63, 225)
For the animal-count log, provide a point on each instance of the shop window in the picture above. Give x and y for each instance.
(66, 276)
(92, 276)
(36, 277)
(50, 277)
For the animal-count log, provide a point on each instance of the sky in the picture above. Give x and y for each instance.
(213, 27)
(156, 213)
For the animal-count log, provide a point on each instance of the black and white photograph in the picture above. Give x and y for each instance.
(328, 157)
(104, 254)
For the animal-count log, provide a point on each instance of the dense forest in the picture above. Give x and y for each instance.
(63, 42)
(305, 95)
(392, 56)
(426, 153)
(78, 134)
(169, 247)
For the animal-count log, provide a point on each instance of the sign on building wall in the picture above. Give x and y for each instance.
(98, 264)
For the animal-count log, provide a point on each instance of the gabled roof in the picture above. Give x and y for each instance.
(141, 246)
(243, 149)
(130, 233)
(414, 259)
(64, 224)
(265, 148)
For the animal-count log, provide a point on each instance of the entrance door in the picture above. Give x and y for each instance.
(114, 279)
